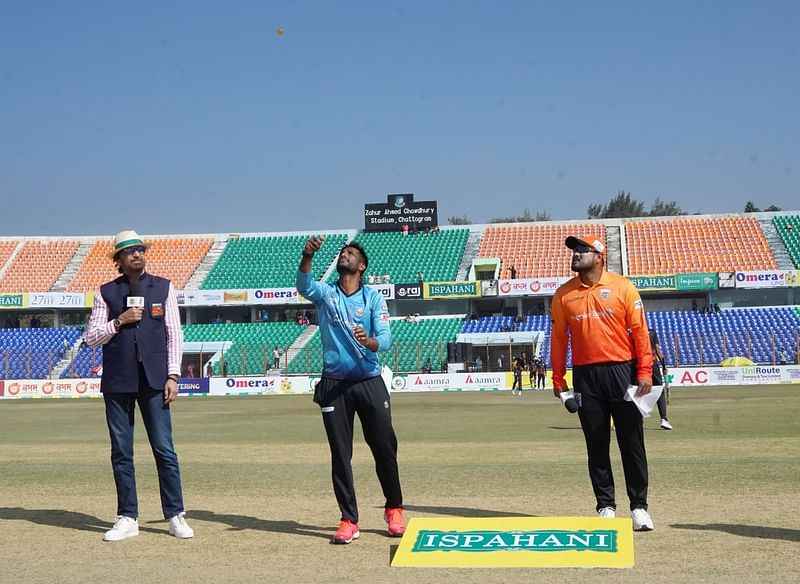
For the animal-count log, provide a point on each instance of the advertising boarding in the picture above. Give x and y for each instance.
(530, 286)
(767, 279)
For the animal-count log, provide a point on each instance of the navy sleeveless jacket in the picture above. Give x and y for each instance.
(145, 341)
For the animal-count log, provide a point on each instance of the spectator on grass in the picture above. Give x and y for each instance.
(659, 378)
(541, 374)
(519, 366)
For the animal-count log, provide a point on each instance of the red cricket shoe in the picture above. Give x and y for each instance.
(347, 532)
(394, 518)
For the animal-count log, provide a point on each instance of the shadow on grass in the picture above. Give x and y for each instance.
(242, 522)
(756, 531)
(60, 518)
(463, 511)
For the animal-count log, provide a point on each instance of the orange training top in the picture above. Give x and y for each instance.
(606, 322)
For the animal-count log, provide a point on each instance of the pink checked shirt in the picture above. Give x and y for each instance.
(101, 328)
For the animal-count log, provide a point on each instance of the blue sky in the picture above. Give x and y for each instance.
(196, 117)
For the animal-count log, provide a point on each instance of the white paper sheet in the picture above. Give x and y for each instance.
(645, 403)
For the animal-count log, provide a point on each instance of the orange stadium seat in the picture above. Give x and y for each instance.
(697, 245)
(173, 258)
(38, 265)
(535, 250)
(6, 249)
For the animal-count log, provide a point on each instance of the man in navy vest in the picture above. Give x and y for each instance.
(135, 317)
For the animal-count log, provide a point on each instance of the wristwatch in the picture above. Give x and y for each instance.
(172, 376)
(117, 323)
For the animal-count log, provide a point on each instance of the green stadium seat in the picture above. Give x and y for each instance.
(788, 227)
(437, 255)
(267, 262)
(251, 347)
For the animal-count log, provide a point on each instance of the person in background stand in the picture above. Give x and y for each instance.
(142, 351)
(276, 358)
(354, 326)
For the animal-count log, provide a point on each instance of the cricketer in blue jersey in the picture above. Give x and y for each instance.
(354, 326)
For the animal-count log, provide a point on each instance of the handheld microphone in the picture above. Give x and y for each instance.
(135, 298)
(568, 399)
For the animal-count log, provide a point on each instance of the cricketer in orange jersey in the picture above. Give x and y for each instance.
(602, 316)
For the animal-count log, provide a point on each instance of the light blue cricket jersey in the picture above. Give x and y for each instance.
(343, 356)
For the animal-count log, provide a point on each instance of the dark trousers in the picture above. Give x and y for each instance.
(599, 390)
(517, 380)
(658, 379)
(662, 404)
(339, 401)
(120, 409)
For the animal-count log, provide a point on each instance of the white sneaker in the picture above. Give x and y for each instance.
(641, 520)
(179, 528)
(124, 528)
(665, 425)
(607, 513)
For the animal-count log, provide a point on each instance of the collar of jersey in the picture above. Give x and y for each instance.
(604, 280)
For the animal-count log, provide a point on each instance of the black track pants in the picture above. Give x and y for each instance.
(339, 401)
(601, 388)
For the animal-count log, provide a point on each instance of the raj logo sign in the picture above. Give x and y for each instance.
(402, 291)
